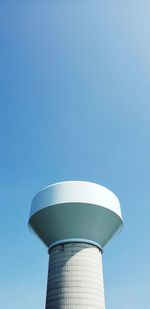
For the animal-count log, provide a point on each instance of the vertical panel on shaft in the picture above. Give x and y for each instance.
(75, 278)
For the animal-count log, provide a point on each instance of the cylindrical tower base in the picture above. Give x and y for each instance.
(75, 277)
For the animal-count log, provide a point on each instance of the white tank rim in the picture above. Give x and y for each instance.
(73, 181)
(112, 203)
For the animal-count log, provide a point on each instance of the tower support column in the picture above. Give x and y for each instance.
(75, 277)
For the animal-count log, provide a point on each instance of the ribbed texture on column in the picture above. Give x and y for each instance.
(75, 278)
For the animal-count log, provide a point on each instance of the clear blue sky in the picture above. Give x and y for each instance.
(75, 104)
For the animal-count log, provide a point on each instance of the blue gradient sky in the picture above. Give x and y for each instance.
(75, 104)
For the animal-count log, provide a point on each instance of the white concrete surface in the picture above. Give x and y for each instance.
(75, 278)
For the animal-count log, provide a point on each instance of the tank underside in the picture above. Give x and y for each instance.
(75, 220)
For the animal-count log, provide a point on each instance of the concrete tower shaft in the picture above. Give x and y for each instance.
(75, 277)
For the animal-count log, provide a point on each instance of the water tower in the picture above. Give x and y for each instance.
(75, 220)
